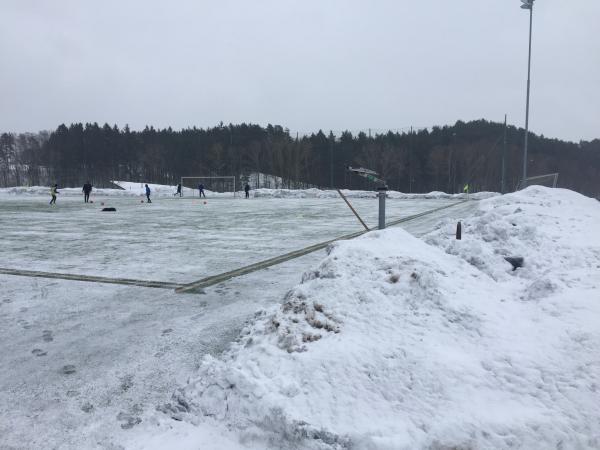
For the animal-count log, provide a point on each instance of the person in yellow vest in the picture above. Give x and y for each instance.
(53, 192)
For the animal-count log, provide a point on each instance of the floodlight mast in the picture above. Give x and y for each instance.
(527, 4)
(369, 174)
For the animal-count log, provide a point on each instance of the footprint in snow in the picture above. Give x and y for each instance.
(39, 352)
(68, 369)
(87, 407)
(47, 336)
(26, 325)
(129, 420)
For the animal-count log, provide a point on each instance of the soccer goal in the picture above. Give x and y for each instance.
(213, 186)
(548, 180)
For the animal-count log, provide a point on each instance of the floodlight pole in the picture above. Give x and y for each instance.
(527, 4)
(502, 183)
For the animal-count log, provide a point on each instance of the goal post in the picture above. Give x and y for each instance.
(221, 186)
(548, 180)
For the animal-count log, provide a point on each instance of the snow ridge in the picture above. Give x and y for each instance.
(135, 189)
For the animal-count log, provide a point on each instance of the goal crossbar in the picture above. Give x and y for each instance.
(551, 178)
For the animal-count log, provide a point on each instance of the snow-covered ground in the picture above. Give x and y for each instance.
(387, 342)
(82, 363)
(393, 342)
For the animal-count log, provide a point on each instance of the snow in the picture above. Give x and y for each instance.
(388, 341)
(318, 193)
(393, 342)
(133, 189)
(86, 365)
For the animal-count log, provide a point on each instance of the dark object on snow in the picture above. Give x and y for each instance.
(459, 231)
(515, 261)
(109, 209)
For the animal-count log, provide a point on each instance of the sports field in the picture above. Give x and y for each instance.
(176, 240)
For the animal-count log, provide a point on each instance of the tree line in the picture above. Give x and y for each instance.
(437, 159)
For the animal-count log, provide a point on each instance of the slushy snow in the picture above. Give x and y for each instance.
(394, 342)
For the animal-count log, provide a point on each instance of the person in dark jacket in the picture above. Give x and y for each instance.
(178, 191)
(148, 194)
(87, 188)
(247, 190)
(201, 190)
(53, 192)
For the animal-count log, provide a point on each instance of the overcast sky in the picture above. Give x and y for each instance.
(303, 64)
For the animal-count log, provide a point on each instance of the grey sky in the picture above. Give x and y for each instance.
(303, 64)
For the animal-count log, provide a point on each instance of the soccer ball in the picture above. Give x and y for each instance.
(102, 203)
(205, 203)
(141, 201)
(91, 201)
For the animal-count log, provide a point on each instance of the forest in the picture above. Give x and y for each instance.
(421, 160)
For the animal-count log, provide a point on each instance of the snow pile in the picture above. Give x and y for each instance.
(552, 228)
(318, 193)
(393, 343)
(135, 189)
(44, 191)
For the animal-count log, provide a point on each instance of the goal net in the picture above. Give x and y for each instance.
(548, 180)
(213, 186)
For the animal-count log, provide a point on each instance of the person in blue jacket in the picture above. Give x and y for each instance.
(201, 190)
(148, 194)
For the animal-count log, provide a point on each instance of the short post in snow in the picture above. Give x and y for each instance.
(381, 192)
(459, 231)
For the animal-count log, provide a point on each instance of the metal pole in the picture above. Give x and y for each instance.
(381, 193)
(410, 160)
(353, 210)
(502, 187)
(331, 161)
(527, 104)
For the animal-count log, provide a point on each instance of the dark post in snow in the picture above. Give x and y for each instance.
(382, 191)
(459, 231)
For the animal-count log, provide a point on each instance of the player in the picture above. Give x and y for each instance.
(148, 193)
(247, 190)
(87, 188)
(53, 192)
(178, 191)
(201, 190)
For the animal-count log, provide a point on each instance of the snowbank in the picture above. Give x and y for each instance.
(318, 193)
(44, 191)
(135, 189)
(397, 343)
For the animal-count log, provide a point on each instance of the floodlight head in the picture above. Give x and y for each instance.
(527, 4)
